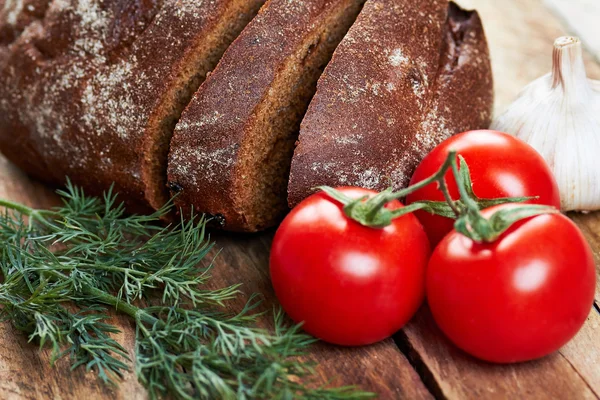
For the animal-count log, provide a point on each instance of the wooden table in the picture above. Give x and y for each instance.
(418, 363)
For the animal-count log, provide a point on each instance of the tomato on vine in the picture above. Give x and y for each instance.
(500, 166)
(349, 283)
(511, 283)
(518, 296)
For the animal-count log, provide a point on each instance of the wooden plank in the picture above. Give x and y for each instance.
(25, 373)
(590, 226)
(583, 352)
(452, 374)
(581, 18)
(521, 35)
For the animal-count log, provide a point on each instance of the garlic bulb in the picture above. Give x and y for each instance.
(559, 115)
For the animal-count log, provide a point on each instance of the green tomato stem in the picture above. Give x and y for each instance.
(467, 200)
(450, 162)
(377, 203)
(469, 220)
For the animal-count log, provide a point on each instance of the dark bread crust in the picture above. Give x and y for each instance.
(86, 83)
(217, 130)
(408, 75)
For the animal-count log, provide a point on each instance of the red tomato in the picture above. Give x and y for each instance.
(350, 284)
(516, 299)
(501, 166)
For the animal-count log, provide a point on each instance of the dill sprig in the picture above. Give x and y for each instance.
(60, 270)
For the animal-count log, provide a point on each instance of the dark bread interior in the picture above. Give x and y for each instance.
(266, 152)
(231, 151)
(199, 60)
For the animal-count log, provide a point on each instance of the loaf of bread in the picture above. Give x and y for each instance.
(95, 90)
(231, 150)
(91, 89)
(408, 75)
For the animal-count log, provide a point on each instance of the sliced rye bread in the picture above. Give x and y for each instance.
(91, 89)
(231, 150)
(408, 75)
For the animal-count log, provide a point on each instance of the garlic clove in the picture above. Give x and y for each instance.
(559, 115)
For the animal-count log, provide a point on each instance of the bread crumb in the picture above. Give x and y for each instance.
(13, 9)
(397, 58)
(349, 139)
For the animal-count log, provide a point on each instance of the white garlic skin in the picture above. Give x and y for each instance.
(559, 115)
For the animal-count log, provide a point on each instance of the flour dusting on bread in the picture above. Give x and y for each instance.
(93, 87)
(431, 58)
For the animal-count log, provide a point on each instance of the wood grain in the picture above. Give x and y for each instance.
(583, 352)
(452, 374)
(581, 18)
(590, 226)
(521, 33)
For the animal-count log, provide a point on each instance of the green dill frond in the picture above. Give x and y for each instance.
(90, 344)
(58, 267)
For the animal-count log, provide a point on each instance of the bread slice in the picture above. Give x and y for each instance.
(407, 75)
(92, 89)
(231, 150)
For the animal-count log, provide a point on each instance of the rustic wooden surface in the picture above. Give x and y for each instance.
(419, 363)
(581, 18)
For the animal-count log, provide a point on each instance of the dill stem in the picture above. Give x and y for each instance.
(21, 208)
(106, 298)
(134, 312)
(31, 213)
